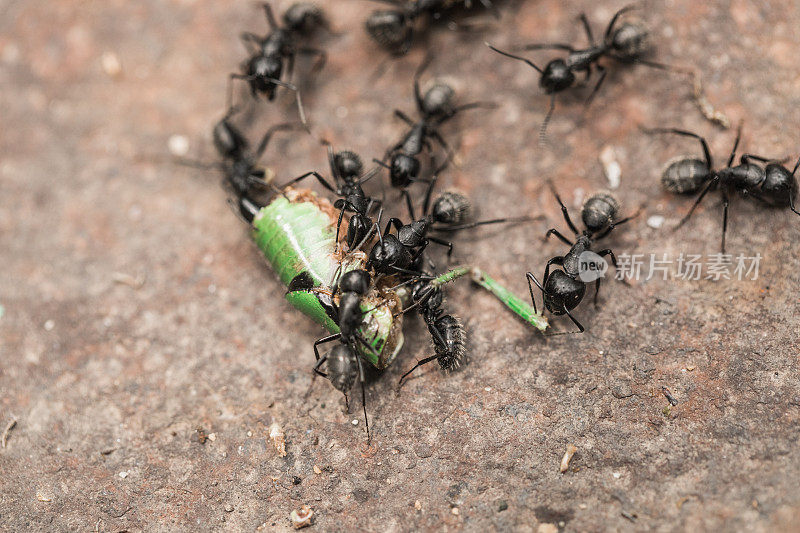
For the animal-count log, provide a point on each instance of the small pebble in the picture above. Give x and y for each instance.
(455, 511)
(111, 64)
(611, 167)
(49, 325)
(178, 145)
(301, 517)
(655, 221)
(418, 505)
(317, 470)
(123, 474)
(228, 508)
(278, 438)
(355, 422)
(571, 449)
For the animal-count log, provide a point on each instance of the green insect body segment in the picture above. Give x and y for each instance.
(296, 233)
(517, 305)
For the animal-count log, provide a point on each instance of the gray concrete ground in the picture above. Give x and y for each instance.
(135, 310)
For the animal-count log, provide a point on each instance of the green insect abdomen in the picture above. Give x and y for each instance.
(296, 237)
(297, 233)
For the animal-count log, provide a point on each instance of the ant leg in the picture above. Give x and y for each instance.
(725, 203)
(252, 42)
(409, 205)
(603, 73)
(396, 222)
(587, 28)
(419, 364)
(615, 224)
(323, 340)
(596, 291)
(558, 261)
(361, 378)
(735, 144)
(443, 242)
(614, 19)
(300, 109)
(547, 117)
(402, 116)
(703, 143)
(791, 202)
(273, 25)
(458, 227)
(314, 173)
(564, 210)
(322, 57)
(581, 329)
(608, 252)
(544, 46)
(531, 277)
(554, 231)
(518, 58)
(288, 126)
(428, 194)
(683, 221)
(316, 369)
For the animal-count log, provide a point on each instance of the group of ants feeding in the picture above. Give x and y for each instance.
(356, 276)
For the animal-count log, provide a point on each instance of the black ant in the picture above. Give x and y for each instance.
(625, 44)
(447, 332)
(435, 107)
(394, 28)
(562, 290)
(769, 182)
(242, 175)
(403, 253)
(344, 362)
(263, 70)
(348, 177)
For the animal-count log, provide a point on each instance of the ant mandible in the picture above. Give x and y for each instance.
(625, 44)
(562, 290)
(769, 182)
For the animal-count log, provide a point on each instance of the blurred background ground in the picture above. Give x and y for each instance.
(135, 310)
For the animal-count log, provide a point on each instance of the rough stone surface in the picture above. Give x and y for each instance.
(146, 348)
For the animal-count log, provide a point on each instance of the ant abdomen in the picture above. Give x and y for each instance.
(342, 368)
(450, 354)
(438, 100)
(304, 17)
(684, 175)
(451, 208)
(599, 211)
(630, 41)
(388, 28)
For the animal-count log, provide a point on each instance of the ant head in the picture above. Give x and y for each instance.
(438, 100)
(342, 368)
(260, 70)
(599, 211)
(356, 281)
(389, 28)
(388, 253)
(451, 208)
(304, 17)
(562, 292)
(556, 77)
(630, 41)
(228, 140)
(348, 164)
(403, 170)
